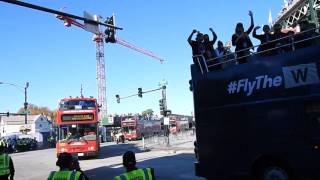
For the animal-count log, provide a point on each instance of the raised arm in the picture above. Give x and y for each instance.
(190, 36)
(254, 34)
(214, 35)
(252, 23)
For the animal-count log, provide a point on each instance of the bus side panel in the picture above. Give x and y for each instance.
(232, 139)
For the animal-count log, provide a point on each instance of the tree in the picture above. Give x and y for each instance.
(34, 110)
(147, 112)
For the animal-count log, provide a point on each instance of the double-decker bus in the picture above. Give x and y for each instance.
(177, 125)
(136, 127)
(77, 121)
(260, 120)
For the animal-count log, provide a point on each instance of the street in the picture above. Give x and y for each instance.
(175, 162)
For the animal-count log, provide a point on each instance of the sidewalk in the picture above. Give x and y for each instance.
(181, 141)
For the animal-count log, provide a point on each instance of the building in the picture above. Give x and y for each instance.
(38, 126)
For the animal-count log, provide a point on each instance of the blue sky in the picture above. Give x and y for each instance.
(36, 47)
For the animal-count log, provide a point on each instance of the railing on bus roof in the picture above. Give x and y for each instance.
(204, 67)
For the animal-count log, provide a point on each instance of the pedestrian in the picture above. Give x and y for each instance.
(6, 164)
(132, 172)
(66, 169)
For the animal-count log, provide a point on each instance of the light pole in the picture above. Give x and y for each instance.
(25, 104)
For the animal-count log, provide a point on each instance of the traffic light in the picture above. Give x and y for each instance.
(118, 98)
(140, 92)
(161, 104)
(25, 106)
(190, 85)
(110, 32)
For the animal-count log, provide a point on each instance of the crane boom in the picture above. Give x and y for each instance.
(70, 21)
(138, 49)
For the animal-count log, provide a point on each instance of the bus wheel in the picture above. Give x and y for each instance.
(273, 171)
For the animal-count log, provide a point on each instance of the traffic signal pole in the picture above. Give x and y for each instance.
(25, 104)
(140, 92)
(52, 11)
(164, 99)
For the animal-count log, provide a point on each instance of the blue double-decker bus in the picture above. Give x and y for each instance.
(259, 120)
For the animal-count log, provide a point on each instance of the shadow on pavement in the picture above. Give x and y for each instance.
(179, 166)
(117, 150)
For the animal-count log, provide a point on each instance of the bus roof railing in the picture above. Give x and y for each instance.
(201, 60)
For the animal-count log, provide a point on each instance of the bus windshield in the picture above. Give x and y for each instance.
(77, 104)
(77, 132)
(129, 129)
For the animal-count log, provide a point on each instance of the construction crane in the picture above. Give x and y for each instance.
(98, 38)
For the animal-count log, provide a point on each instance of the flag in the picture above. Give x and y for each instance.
(270, 18)
(286, 4)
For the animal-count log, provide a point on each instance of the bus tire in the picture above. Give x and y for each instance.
(272, 170)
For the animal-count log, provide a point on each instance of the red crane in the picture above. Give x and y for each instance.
(98, 38)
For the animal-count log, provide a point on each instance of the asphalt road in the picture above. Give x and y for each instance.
(175, 162)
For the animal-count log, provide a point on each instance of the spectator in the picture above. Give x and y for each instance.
(132, 172)
(242, 41)
(264, 39)
(66, 169)
(76, 167)
(7, 168)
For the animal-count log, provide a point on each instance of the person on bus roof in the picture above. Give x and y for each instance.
(242, 41)
(66, 171)
(132, 172)
(208, 45)
(280, 40)
(197, 46)
(264, 39)
(307, 31)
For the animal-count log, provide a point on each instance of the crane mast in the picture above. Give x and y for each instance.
(101, 76)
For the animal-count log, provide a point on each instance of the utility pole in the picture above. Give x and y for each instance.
(26, 103)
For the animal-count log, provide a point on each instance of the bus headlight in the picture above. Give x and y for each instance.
(62, 149)
(91, 148)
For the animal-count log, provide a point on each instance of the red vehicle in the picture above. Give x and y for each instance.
(135, 127)
(77, 121)
(177, 125)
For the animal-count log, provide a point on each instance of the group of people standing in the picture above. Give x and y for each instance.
(272, 42)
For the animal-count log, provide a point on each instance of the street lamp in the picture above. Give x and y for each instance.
(25, 104)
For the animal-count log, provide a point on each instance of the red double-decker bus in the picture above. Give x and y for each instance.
(77, 121)
(136, 127)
